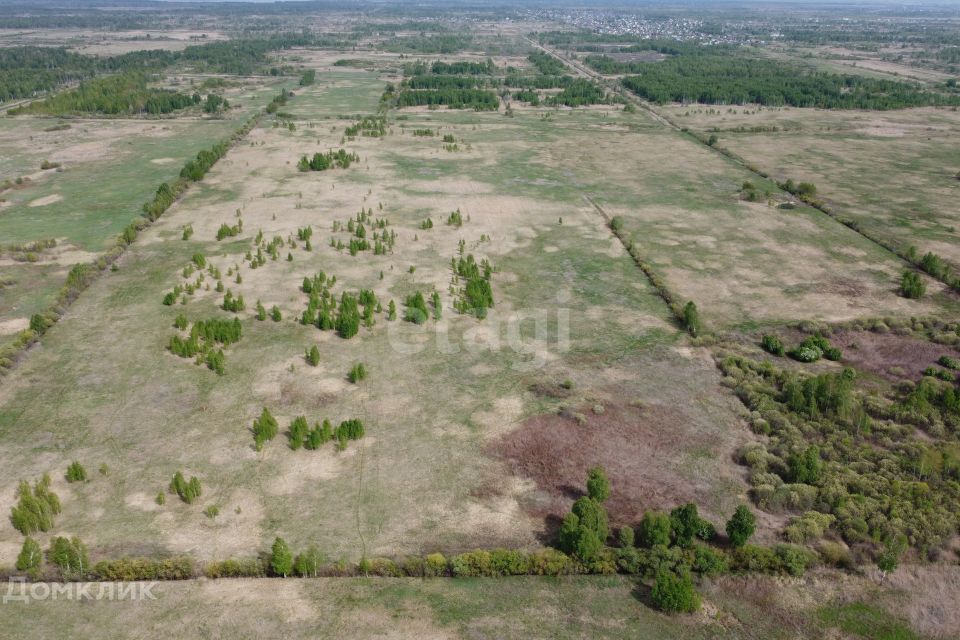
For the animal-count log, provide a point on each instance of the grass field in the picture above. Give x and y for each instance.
(108, 169)
(825, 605)
(892, 172)
(478, 432)
(429, 474)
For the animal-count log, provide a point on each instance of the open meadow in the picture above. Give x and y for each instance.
(489, 323)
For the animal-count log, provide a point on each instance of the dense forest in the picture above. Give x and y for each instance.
(121, 94)
(27, 71)
(477, 99)
(437, 43)
(730, 79)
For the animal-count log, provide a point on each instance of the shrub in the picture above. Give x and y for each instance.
(949, 362)
(436, 565)
(674, 594)
(741, 526)
(264, 428)
(131, 569)
(912, 285)
(230, 568)
(188, 491)
(654, 529)
(299, 431)
(772, 345)
(76, 472)
(357, 373)
(691, 319)
(30, 557)
(808, 527)
(313, 356)
(598, 486)
(686, 524)
(309, 563)
(708, 561)
(70, 556)
(35, 508)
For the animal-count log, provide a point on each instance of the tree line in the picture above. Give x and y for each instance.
(736, 79)
(126, 93)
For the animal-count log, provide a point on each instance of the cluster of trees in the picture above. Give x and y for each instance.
(827, 442)
(308, 77)
(579, 92)
(476, 296)
(358, 373)
(726, 78)
(27, 71)
(460, 67)
(188, 490)
(300, 435)
(213, 103)
(810, 349)
(204, 337)
(547, 64)
(231, 303)
(228, 231)
(323, 161)
(195, 169)
(454, 98)
(35, 508)
(416, 309)
(367, 126)
(430, 43)
(668, 548)
(122, 94)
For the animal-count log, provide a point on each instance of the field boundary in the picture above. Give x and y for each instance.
(818, 205)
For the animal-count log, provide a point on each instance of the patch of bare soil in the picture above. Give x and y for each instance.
(891, 356)
(637, 446)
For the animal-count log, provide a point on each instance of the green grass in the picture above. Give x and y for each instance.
(865, 621)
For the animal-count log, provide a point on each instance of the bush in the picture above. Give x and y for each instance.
(70, 556)
(35, 508)
(188, 491)
(741, 526)
(772, 345)
(76, 472)
(598, 486)
(654, 529)
(436, 565)
(686, 524)
(674, 594)
(949, 362)
(912, 285)
(264, 428)
(357, 373)
(708, 561)
(230, 568)
(809, 527)
(691, 319)
(30, 557)
(132, 569)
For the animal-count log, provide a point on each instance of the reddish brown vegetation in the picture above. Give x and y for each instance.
(888, 355)
(641, 449)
